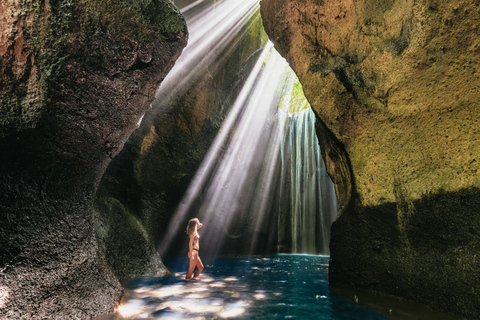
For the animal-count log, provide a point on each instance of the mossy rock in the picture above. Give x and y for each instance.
(396, 85)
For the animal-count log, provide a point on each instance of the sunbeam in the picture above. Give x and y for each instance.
(213, 29)
(263, 176)
(261, 156)
(219, 207)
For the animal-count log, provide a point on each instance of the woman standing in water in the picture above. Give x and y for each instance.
(193, 247)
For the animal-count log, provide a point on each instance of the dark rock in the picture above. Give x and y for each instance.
(71, 93)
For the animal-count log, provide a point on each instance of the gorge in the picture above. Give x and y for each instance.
(93, 183)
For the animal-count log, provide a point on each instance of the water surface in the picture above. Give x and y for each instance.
(270, 287)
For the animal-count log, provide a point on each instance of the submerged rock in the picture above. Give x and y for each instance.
(396, 85)
(75, 78)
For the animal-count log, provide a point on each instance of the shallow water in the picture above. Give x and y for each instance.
(270, 287)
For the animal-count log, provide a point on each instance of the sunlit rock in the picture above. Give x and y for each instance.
(396, 84)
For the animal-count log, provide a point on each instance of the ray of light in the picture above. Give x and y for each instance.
(208, 167)
(213, 29)
(261, 147)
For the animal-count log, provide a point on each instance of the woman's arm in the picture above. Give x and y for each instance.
(190, 246)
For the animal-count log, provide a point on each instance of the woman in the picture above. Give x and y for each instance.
(194, 246)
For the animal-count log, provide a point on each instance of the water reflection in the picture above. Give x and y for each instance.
(177, 298)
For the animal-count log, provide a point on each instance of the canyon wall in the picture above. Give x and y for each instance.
(397, 86)
(75, 78)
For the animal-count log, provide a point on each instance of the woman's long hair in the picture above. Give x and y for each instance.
(192, 224)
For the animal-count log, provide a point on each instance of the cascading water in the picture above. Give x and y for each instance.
(308, 203)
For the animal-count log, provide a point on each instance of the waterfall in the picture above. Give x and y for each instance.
(308, 204)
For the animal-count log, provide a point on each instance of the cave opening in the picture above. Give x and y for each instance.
(262, 187)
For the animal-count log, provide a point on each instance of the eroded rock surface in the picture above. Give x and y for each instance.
(75, 78)
(397, 83)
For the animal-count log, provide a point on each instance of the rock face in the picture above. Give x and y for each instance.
(144, 184)
(75, 77)
(396, 83)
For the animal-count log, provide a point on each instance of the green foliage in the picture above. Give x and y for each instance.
(298, 101)
(293, 99)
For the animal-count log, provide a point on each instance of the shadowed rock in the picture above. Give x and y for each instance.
(76, 76)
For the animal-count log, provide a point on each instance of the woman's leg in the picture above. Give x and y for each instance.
(199, 265)
(191, 267)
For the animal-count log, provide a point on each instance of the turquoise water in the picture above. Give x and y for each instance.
(269, 287)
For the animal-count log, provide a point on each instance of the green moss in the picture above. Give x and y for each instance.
(74, 27)
(256, 29)
(121, 234)
(378, 6)
(297, 100)
(163, 15)
(68, 31)
(292, 96)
